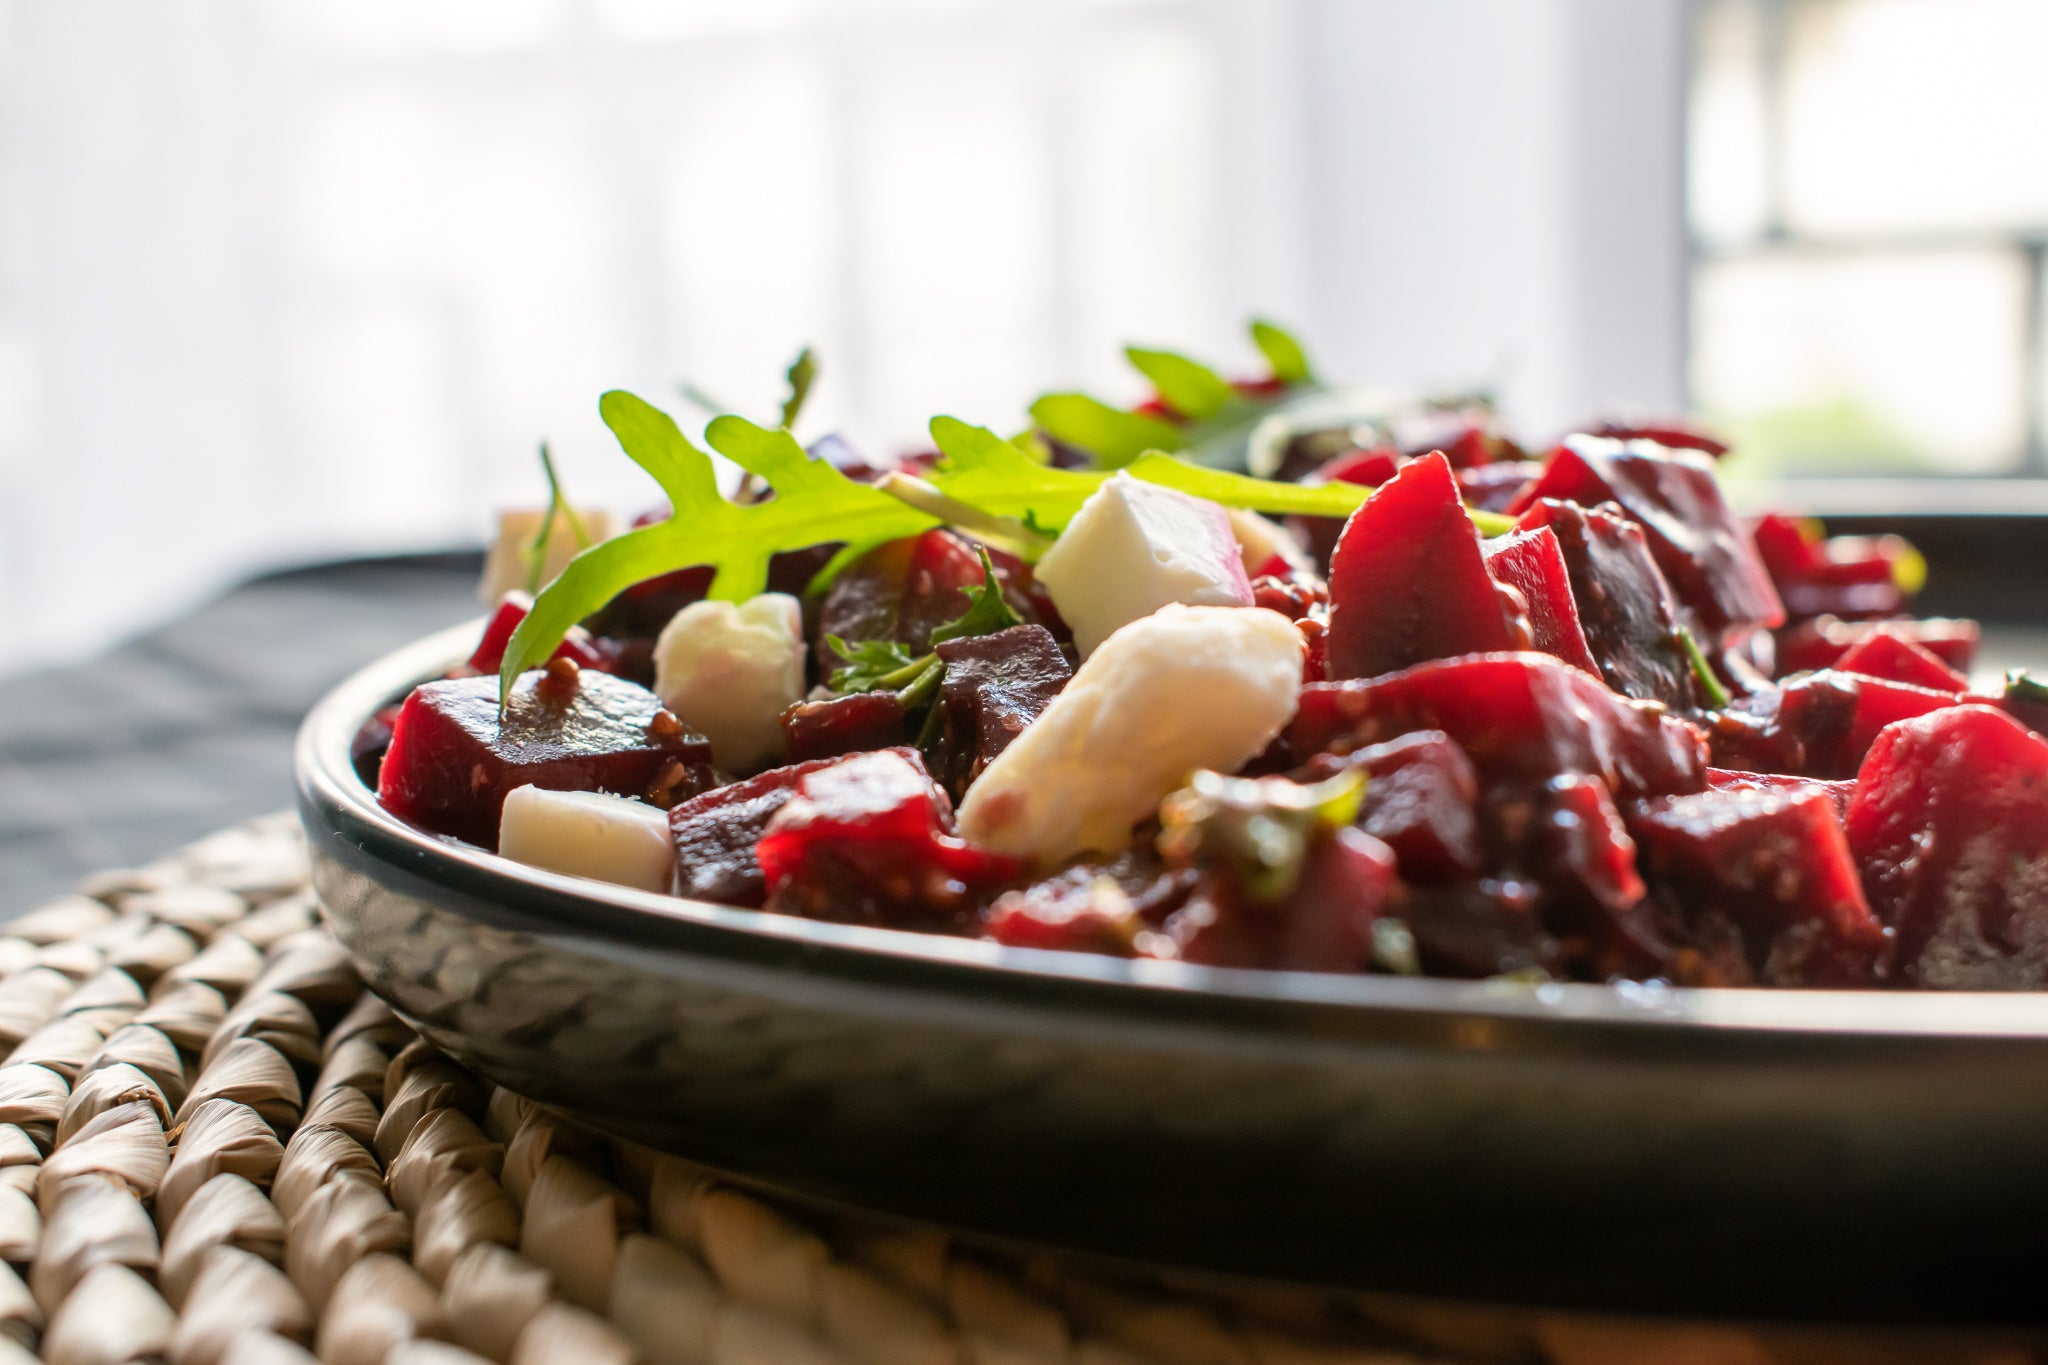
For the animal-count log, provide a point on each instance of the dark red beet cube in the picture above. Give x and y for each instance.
(1326, 924)
(1421, 800)
(1818, 724)
(905, 589)
(995, 685)
(1367, 468)
(1494, 487)
(1776, 864)
(1820, 643)
(715, 832)
(1891, 656)
(1626, 610)
(1478, 929)
(577, 646)
(867, 838)
(850, 724)
(1090, 915)
(1950, 830)
(1837, 792)
(1530, 562)
(1672, 433)
(1524, 717)
(1408, 580)
(452, 759)
(1703, 549)
(1583, 850)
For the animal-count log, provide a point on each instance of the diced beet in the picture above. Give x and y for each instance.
(715, 832)
(1626, 611)
(1326, 924)
(1950, 830)
(1531, 563)
(1087, 917)
(1470, 448)
(995, 685)
(1775, 863)
(850, 724)
(1521, 716)
(1850, 589)
(905, 589)
(1421, 798)
(1583, 847)
(1672, 433)
(1880, 703)
(1788, 546)
(1890, 656)
(1367, 468)
(1494, 487)
(1820, 643)
(867, 838)
(1838, 792)
(576, 646)
(1408, 581)
(1478, 929)
(1818, 724)
(452, 760)
(1704, 550)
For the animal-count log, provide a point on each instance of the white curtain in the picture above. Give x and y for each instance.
(288, 280)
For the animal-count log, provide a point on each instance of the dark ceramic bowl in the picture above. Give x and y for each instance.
(1764, 1153)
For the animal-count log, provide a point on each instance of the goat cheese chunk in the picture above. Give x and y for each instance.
(589, 834)
(1133, 548)
(729, 670)
(1184, 688)
(505, 565)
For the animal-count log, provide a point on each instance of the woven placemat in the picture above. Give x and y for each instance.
(216, 1147)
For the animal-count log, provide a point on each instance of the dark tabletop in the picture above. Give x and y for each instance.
(189, 728)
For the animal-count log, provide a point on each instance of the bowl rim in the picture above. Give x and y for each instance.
(1469, 1015)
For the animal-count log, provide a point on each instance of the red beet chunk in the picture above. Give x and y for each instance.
(1820, 643)
(867, 838)
(715, 832)
(1531, 563)
(452, 761)
(1704, 550)
(1325, 924)
(1494, 487)
(576, 646)
(1523, 717)
(1838, 793)
(850, 724)
(1819, 724)
(1776, 864)
(905, 589)
(1673, 434)
(1092, 907)
(1421, 800)
(1890, 656)
(1478, 929)
(1367, 468)
(1625, 607)
(995, 685)
(1950, 829)
(1408, 580)
(1583, 849)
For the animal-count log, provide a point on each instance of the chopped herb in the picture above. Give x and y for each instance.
(1393, 948)
(2021, 685)
(987, 613)
(1282, 352)
(558, 509)
(1710, 684)
(802, 373)
(872, 664)
(923, 685)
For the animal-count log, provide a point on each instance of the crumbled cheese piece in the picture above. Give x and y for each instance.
(1134, 547)
(730, 670)
(1185, 688)
(1260, 539)
(589, 834)
(505, 566)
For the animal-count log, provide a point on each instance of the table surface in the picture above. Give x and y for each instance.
(188, 728)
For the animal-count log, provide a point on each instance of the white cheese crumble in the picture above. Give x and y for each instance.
(730, 670)
(589, 834)
(505, 566)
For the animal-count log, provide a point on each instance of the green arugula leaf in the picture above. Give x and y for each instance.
(1114, 437)
(871, 665)
(558, 509)
(1710, 684)
(814, 504)
(2021, 685)
(802, 373)
(1333, 499)
(1187, 386)
(987, 611)
(1282, 352)
(983, 470)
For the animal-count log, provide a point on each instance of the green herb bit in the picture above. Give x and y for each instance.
(1009, 533)
(558, 508)
(1283, 353)
(987, 612)
(871, 664)
(802, 373)
(2021, 685)
(1258, 829)
(1187, 386)
(923, 685)
(814, 504)
(1113, 436)
(1710, 683)
(1393, 948)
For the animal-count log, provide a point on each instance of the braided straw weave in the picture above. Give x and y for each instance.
(216, 1147)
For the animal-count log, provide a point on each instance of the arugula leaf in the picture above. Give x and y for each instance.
(814, 504)
(802, 373)
(870, 665)
(1187, 386)
(1114, 437)
(558, 509)
(1282, 352)
(2021, 685)
(1716, 694)
(985, 471)
(987, 611)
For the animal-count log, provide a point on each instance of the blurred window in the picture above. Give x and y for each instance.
(1870, 230)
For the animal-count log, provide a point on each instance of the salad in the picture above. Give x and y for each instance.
(1405, 697)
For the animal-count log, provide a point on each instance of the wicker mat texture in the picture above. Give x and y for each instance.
(216, 1147)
